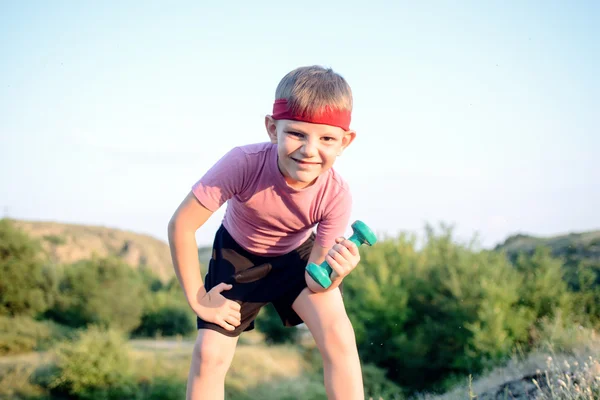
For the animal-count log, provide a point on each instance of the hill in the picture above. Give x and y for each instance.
(580, 246)
(67, 243)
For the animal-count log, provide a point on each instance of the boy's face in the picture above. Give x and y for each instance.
(306, 150)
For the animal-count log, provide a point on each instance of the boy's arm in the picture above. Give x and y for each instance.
(187, 219)
(345, 252)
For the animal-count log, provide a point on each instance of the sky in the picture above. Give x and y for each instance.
(480, 115)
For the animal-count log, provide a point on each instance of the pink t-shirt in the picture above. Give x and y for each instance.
(266, 216)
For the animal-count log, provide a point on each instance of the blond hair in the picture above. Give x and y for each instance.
(309, 89)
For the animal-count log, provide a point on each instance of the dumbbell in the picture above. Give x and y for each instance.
(362, 235)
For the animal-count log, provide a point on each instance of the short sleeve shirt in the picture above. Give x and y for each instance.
(264, 214)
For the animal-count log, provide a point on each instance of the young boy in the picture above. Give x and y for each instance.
(277, 192)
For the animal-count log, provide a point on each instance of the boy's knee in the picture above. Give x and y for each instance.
(339, 338)
(210, 357)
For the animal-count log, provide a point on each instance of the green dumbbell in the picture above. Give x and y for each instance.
(362, 235)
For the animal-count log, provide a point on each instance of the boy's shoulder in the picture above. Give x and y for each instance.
(261, 148)
(338, 180)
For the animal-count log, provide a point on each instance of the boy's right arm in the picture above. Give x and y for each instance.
(182, 227)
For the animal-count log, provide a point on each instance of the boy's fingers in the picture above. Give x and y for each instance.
(340, 254)
(235, 306)
(351, 246)
(222, 286)
(232, 321)
(226, 325)
(341, 250)
(337, 269)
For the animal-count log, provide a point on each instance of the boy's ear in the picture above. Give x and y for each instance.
(348, 138)
(271, 127)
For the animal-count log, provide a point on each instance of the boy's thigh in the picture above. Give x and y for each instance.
(321, 311)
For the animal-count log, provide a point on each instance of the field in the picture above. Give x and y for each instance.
(443, 320)
(568, 370)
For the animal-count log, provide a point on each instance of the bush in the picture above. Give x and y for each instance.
(378, 386)
(24, 334)
(96, 365)
(165, 314)
(269, 323)
(26, 284)
(543, 290)
(163, 388)
(102, 291)
(301, 387)
(431, 314)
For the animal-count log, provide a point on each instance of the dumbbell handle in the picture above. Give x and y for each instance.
(322, 273)
(325, 265)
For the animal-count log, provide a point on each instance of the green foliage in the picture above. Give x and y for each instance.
(162, 388)
(378, 386)
(100, 291)
(543, 290)
(26, 284)
(579, 255)
(269, 323)
(431, 314)
(151, 280)
(23, 334)
(56, 240)
(426, 315)
(166, 313)
(583, 278)
(96, 365)
(299, 388)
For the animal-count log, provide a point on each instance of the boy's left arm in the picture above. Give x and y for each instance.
(343, 257)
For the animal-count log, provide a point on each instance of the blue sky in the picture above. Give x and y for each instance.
(482, 115)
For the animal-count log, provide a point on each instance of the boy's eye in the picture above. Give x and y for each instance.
(328, 139)
(297, 134)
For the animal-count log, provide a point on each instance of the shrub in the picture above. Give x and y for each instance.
(96, 365)
(269, 323)
(102, 291)
(430, 314)
(26, 284)
(24, 334)
(543, 290)
(163, 388)
(165, 314)
(378, 386)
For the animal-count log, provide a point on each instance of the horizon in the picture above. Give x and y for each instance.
(482, 116)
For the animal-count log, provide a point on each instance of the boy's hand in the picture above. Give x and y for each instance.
(213, 307)
(343, 257)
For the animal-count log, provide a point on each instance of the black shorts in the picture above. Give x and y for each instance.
(256, 280)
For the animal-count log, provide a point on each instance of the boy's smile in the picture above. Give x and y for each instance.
(306, 150)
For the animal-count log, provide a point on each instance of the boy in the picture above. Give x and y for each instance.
(277, 192)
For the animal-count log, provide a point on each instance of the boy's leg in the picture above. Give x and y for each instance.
(325, 316)
(211, 358)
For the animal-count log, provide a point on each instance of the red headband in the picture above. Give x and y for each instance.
(329, 116)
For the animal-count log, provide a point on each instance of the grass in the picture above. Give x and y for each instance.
(271, 369)
(566, 366)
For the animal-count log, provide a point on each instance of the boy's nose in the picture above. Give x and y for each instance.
(309, 148)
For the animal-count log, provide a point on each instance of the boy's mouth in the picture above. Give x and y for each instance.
(304, 162)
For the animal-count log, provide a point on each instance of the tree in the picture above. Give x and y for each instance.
(26, 284)
(428, 314)
(269, 323)
(101, 291)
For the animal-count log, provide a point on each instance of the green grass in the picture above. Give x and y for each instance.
(565, 366)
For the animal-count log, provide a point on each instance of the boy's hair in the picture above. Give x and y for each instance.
(308, 90)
